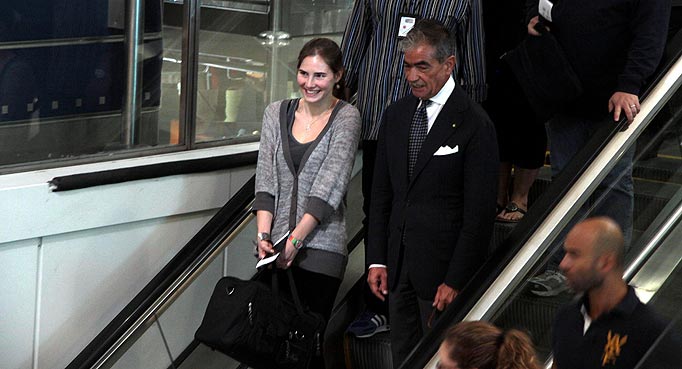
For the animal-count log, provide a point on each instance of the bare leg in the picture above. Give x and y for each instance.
(523, 180)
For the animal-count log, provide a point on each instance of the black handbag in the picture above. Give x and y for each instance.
(258, 327)
(544, 73)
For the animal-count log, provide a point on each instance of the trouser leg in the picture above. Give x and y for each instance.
(409, 315)
(614, 195)
(318, 292)
(369, 150)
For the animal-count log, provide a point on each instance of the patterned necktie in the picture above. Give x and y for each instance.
(418, 132)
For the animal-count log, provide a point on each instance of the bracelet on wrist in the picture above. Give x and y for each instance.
(298, 244)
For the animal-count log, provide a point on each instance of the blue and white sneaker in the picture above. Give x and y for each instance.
(369, 324)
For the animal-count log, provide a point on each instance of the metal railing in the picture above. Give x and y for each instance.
(512, 276)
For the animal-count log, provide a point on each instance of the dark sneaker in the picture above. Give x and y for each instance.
(550, 283)
(368, 324)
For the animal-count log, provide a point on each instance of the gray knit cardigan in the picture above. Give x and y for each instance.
(319, 187)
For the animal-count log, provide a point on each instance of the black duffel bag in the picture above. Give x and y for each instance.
(259, 327)
(546, 77)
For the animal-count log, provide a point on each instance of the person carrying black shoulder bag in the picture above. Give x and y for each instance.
(543, 71)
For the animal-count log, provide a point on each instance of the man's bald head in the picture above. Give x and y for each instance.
(594, 254)
(605, 235)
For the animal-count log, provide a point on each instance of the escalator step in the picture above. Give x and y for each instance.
(666, 169)
(368, 353)
(534, 315)
(500, 233)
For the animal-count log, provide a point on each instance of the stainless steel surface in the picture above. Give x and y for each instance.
(189, 71)
(659, 266)
(276, 19)
(578, 193)
(256, 7)
(17, 45)
(134, 40)
(661, 233)
(512, 276)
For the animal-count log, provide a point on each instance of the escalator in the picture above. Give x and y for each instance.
(654, 260)
(156, 327)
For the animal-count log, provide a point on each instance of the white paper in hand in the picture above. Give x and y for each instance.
(279, 247)
(267, 260)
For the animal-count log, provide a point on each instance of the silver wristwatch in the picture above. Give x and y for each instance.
(263, 236)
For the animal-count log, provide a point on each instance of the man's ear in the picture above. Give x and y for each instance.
(606, 262)
(450, 62)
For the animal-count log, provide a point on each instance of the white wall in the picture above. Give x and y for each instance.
(70, 261)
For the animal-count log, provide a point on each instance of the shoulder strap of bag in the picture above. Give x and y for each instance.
(284, 115)
(292, 286)
(294, 292)
(285, 112)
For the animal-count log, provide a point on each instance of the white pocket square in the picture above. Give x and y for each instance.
(446, 150)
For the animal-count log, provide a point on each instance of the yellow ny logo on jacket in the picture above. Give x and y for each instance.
(614, 343)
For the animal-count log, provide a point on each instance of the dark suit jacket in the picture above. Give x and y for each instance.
(447, 209)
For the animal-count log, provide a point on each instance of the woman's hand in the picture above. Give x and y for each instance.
(287, 257)
(264, 249)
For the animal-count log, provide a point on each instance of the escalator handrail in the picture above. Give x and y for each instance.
(176, 275)
(653, 244)
(140, 172)
(217, 228)
(542, 221)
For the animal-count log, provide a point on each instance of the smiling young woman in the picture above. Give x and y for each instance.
(306, 154)
(319, 73)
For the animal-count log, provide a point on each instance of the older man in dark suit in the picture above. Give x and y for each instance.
(433, 198)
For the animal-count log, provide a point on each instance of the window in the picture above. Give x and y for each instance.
(88, 80)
